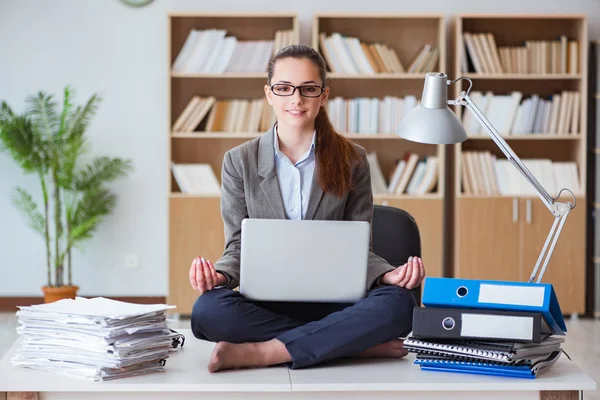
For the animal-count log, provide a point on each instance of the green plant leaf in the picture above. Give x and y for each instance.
(42, 109)
(101, 170)
(25, 203)
(80, 119)
(22, 140)
(88, 212)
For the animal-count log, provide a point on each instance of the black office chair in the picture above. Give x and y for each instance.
(395, 237)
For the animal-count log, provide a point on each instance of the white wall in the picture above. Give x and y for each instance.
(106, 47)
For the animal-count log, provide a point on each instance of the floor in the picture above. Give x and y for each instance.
(582, 343)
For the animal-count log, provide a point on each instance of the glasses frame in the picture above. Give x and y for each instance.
(297, 87)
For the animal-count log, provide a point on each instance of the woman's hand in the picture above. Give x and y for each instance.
(204, 277)
(408, 275)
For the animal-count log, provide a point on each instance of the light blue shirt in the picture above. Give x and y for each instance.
(295, 180)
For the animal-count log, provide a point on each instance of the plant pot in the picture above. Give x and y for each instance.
(52, 294)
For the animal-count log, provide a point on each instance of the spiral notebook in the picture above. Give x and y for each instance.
(527, 370)
(507, 353)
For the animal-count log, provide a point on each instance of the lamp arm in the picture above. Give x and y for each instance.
(560, 210)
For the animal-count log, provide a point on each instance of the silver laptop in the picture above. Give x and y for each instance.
(304, 260)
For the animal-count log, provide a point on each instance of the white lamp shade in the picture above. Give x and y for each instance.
(432, 121)
(432, 126)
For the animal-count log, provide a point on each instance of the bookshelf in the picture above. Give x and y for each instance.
(195, 224)
(498, 234)
(405, 35)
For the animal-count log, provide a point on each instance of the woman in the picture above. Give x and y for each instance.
(300, 169)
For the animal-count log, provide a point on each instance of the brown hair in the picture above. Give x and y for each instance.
(334, 153)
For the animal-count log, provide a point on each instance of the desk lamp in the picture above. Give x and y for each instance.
(433, 122)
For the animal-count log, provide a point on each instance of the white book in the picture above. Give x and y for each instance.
(556, 102)
(203, 50)
(334, 61)
(416, 178)
(535, 99)
(395, 179)
(539, 116)
(198, 178)
(429, 176)
(502, 109)
(186, 50)
(574, 126)
(342, 52)
(514, 129)
(378, 184)
(215, 50)
(374, 112)
(359, 55)
(229, 46)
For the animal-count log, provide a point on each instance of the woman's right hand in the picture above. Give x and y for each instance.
(204, 277)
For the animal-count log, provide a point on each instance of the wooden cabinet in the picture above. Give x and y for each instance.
(196, 229)
(428, 213)
(487, 239)
(501, 239)
(565, 269)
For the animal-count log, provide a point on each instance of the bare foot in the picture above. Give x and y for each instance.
(392, 349)
(227, 355)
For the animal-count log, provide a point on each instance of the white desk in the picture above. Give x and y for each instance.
(186, 377)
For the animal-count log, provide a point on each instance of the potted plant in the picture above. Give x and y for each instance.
(51, 143)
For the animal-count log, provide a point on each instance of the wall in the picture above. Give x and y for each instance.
(105, 47)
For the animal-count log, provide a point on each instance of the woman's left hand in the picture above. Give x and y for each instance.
(408, 275)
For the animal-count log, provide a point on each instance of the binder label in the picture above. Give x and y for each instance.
(513, 295)
(497, 326)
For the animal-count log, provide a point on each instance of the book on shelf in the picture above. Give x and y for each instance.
(369, 115)
(412, 175)
(232, 115)
(512, 114)
(196, 178)
(482, 174)
(482, 55)
(211, 51)
(349, 55)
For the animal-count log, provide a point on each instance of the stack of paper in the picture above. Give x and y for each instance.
(96, 339)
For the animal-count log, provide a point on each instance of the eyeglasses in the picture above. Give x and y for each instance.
(281, 89)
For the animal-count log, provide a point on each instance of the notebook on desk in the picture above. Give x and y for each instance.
(526, 369)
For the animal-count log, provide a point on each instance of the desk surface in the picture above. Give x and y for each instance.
(185, 371)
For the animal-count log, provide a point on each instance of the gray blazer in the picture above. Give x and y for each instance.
(250, 189)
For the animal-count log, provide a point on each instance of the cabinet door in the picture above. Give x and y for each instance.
(487, 241)
(429, 215)
(196, 229)
(566, 268)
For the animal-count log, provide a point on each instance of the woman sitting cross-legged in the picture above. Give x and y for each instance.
(312, 172)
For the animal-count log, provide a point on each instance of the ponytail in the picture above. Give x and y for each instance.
(335, 156)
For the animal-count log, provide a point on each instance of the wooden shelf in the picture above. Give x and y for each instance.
(530, 136)
(337, 76)
(227, 75)
(216, 135)
(251, 135)
(520, 76)
(428, 196)
(473, 196)
(193, 196)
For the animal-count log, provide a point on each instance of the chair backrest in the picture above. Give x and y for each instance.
(395, 237)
